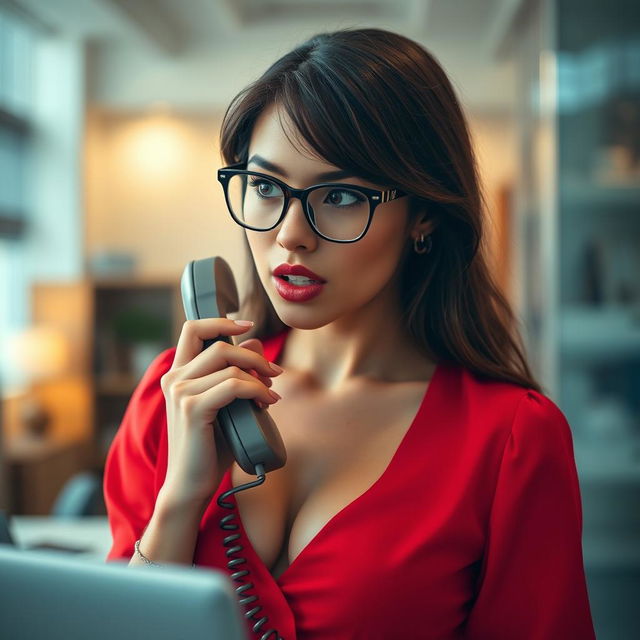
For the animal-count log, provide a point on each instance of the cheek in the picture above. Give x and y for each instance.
(373, 260)
(385, 240)
(258, 245)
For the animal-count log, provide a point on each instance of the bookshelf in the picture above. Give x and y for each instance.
(116, 326)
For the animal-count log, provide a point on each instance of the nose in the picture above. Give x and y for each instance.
(295, 230)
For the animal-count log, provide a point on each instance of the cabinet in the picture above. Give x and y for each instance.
(577, 220)
(37, 470)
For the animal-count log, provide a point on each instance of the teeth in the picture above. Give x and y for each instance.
(299, 280)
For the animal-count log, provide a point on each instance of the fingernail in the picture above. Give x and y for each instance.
(274, 395)
(275, 367)
(245, 323)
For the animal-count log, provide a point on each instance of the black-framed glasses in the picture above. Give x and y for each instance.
(336, 211)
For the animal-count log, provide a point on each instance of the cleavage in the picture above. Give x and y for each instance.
(336, 451)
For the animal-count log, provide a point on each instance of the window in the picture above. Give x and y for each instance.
(17, 42)
(16, 82)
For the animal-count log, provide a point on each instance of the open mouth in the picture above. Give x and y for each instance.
(300, 281)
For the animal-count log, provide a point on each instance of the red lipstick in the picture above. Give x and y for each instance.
(296, 283)
(296, 270)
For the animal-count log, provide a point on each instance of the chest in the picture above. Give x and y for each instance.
(337, 448)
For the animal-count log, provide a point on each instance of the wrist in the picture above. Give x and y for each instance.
(172, 503)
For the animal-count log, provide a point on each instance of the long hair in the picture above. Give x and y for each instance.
(379, 105)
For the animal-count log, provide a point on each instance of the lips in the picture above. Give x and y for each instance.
(297, 293)
(297, 270)
(289, 283)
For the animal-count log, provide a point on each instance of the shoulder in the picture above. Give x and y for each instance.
(144, 420)
(158, 367)
(504, 409)
(540, 427)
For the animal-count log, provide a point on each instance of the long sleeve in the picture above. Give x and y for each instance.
(131, 468)
(532, 583)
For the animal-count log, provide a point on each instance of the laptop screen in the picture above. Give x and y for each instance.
(54, 595)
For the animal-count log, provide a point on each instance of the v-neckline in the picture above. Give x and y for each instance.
(424, 408)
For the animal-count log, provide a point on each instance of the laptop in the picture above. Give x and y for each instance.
(54, 595)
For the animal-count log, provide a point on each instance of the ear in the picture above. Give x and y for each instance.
(425, 224)
(422, 217)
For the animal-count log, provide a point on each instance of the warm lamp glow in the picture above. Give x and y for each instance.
(38, 353)
(154, 146)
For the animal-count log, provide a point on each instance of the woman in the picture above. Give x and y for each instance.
(430, 488)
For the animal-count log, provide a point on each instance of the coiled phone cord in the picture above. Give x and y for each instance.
(237, 576)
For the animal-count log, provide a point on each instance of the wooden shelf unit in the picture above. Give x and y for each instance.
(104, 320)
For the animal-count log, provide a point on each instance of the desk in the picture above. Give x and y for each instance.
(90, 532)
(38, 468)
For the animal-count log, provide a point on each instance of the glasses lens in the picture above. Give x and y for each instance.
(254, 200)
(341, 214)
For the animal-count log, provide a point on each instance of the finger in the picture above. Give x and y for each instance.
(264, 379)
(195, 332)
(256, 345)
(255, 374)
(196, 386)
(226, 392)
(221, 355)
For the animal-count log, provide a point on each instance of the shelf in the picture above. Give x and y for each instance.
(608, 462)
(108, 319)
(116, 385)
(24, 448)
(589, 193)
(610, 550)
(599, 333)
(129, 283)
(578, 180)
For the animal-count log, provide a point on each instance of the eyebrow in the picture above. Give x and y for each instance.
(270, 166)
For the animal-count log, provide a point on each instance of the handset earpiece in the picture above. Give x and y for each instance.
(209, 291)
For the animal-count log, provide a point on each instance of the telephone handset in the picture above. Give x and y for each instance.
(209, 291)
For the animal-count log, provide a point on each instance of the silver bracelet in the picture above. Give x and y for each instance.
(146, 560)
(143, 557)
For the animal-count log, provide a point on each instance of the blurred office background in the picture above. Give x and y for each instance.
(109, 119)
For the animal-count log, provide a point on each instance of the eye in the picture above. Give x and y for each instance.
(265, 188)
(344, 197)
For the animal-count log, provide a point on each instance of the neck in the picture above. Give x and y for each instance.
(367, 346)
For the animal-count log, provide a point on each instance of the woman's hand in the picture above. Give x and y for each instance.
(198, 384)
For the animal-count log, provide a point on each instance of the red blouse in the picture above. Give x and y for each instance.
(473, 530)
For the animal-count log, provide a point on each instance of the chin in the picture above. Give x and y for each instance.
(300, 318)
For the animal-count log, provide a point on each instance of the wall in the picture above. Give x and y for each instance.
(151, 189)
(494, 141)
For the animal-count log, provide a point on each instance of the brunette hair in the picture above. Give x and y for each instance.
(379, 105)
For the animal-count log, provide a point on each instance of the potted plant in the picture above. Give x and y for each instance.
(143, 334)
